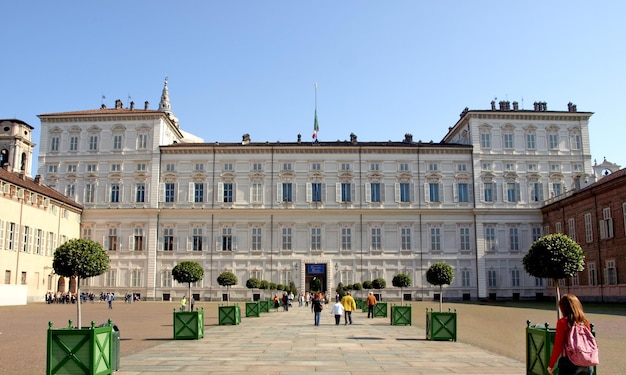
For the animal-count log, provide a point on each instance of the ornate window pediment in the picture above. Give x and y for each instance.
(287, 175)
(75, 129)
(56, 130)
(118, 128)
(534, 177)
(510, 176)
(94, 129)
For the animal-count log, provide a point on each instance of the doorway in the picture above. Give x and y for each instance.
(316, 274)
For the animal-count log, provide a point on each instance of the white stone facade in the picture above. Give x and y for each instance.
(280, 212)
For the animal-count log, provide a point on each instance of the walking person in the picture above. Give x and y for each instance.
(110, 299)
(316, 305)
(371, 302)
(572, 311)
(183, 303)
(349, 305)
(192, 302)
(338, 312)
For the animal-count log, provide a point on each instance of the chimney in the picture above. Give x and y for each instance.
(515, 106)
(408, 138)
(145, 105)
(501, 105)
(38, 179)
(299, 138)
(132, 106)
(493, 105)
(245, 139)
(103, 106)
(118, 104)
(535, 106)
(353, 138)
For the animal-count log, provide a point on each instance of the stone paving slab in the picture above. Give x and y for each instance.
(289, 343)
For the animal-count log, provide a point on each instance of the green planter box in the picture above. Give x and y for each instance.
(539, 343)
(229, 315)
(264, 306)
(88, 350)
(252, 309)
(441, 325)
(401, 315)
(360, 304)
(380, 310)
(189, 325)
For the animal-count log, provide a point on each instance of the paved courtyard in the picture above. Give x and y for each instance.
(491, 341)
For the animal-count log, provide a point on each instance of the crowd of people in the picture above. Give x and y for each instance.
(70, 298)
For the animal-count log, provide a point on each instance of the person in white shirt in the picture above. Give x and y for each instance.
(338, 312)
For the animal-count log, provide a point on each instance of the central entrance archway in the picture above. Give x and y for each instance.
(316, 271)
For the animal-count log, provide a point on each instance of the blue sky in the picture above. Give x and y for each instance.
(383, 68)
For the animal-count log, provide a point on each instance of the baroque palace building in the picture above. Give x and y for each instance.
(340, 211)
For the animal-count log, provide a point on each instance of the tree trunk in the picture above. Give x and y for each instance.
(557, 293)
(189, 299)
(440, 298)
(78, 309)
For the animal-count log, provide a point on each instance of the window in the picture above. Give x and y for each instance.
(374, 166)
(54, 144)
(138, 240)
(345, 166)
(196, 234)
(553, 141)
(465, 278)
(577, 143)
(198, 167)
(404, 166)
(53, 169)
(7, 277)
(110, 278)
(140, 192)
(538, 281)
(256, 192)
(611, 273)
(433, 167)
(73, 143)
(555, 167)
(117, 142)
(135, 278)
(536, 233)
(38, 241)
(433, 192)
(198, 192)
(464, 238)
(257, 244)
(588, 228)
(93, 142)
(593, 274)
(508, 140)
(142, 141)
(606, 224)
(170, 190)
(92, 168)
(571, 223)
(286, 243)
(346, 238)
(228, 193)
(166, 279)
(490, 238)
(345, 192)
(376, 236)
(515, 279)
(71, 168)
(514, 239)
(461, 167)
(488, 166)
(375, 192)
(316, 192)
(489, 191)
(578, 168)
(227, 239)
(557, 189)
(531, 141)
(462, 192)
(228, 166)
(170, 167)
(112, 239)
(316, 166)
(257, 166)
(25, 238)
(492, 278)
(141, 167)
(168, 239)
(70, 190)
(2, 224)
(435, 238)
(509, 166)
(405, 238)
(287, 167)
(115, 193)
(536, 192)
(512, 192)
(23, 278)
(404, 192)
(287, 192)
(532, 167)
(316, 238)
(90, 192)
(485, 139)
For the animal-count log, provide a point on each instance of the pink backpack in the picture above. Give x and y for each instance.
(581, 347)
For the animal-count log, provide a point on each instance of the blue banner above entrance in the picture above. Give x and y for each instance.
(313, 269)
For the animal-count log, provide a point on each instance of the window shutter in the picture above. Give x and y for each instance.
(505, 195)
(105, 242)
(517, 192)
(235, 195)
(220, 192)
(131, 242)
(353, 197)
(368, 192)
(161, 192)
(455, 192)
(189, 243)
(190, 197)
(279, 192)
(218, 243)
(396, 189)
(427, 192)
(309, 192)
(338, 192)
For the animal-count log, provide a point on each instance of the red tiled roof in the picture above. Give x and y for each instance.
(28, 183)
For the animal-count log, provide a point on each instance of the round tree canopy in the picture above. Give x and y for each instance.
(379, 283)
(440, 274)
(401, 280)
(82, 258)
(554, 256)
(367, 284)
(188, 272)
(227, 278)
(253, 283)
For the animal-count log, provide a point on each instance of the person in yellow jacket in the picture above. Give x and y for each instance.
(349, 305)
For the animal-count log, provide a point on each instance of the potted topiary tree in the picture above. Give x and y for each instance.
(188, 324)
(228, 314)
(91, 348)
(401, 315)
(553, 256)
(380, 309)
(440, 325)
(253, 308)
